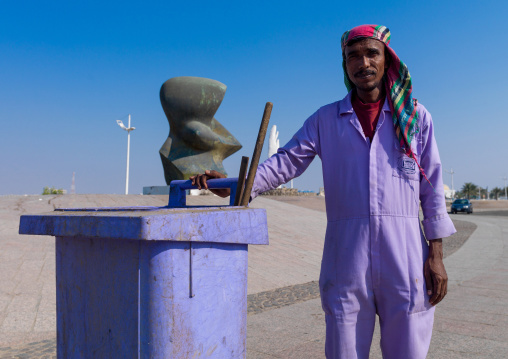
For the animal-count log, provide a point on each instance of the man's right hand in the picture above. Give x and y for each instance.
(200, 181)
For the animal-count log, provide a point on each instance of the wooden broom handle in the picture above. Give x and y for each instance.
(257, 153)
(241, 180)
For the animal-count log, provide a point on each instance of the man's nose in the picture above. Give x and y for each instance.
(364, 62)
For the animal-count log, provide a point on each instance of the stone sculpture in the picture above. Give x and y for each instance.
(196, 141)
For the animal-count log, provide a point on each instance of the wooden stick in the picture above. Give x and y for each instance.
(257, 153)
(241, 180)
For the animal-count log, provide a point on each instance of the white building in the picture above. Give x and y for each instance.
(448, 193)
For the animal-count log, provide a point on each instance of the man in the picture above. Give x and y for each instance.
(380, 162)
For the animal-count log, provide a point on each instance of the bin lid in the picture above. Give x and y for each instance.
(196, 224)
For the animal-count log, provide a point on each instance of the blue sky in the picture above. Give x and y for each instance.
(68, 70)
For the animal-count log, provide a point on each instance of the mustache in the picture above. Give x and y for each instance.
(364, 73)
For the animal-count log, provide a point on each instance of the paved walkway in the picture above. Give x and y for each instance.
(471, 323)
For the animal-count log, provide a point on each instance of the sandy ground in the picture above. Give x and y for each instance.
(318, 203)
(489, 205)
(450, 245)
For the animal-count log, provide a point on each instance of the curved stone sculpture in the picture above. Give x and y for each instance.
(196, 141)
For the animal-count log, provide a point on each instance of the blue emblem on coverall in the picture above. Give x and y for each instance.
(406, 165)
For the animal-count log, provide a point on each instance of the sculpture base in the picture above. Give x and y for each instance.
(151, 282)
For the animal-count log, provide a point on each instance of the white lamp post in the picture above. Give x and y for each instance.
(128, 129)
(504, 179)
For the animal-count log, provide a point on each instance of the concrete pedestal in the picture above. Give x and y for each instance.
(151, 282)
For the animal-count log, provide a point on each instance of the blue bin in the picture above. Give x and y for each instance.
(152, 282)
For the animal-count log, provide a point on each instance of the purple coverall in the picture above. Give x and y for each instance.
(374, 248)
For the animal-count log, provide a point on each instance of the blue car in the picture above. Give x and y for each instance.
(462, 205)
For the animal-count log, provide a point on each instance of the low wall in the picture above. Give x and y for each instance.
(286, 192)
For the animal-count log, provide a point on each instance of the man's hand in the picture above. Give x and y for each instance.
(435, 273)
(200, 181)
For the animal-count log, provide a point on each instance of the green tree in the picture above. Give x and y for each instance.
(484, 193)
(469, 189)
(496, 192)
(52, 190)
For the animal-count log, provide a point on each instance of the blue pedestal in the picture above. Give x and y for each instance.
(151, 282)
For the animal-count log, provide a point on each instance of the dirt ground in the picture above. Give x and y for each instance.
(487, 204)
(450, 244)
(311, 202)
(318, 203)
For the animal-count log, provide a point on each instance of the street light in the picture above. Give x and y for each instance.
(128, 129)
(504, 179)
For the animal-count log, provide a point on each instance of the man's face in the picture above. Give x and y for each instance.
(366, 64)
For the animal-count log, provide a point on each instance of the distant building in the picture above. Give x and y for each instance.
(448, 193)
(273, 145)
(273, 141)
(73, 183)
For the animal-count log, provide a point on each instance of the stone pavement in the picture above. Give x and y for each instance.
(471, 321)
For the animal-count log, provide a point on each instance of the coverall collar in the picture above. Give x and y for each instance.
(345, 106)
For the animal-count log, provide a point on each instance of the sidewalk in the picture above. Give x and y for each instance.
(470, 323)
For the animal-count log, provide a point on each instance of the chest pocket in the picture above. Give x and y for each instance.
(403, 166)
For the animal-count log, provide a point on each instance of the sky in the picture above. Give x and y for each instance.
(70, 69)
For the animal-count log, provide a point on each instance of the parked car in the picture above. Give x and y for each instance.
(462, 205)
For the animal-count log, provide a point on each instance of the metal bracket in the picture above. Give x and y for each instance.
(177, 190)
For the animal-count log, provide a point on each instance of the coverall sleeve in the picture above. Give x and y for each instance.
(290, 161)
(436, 222)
